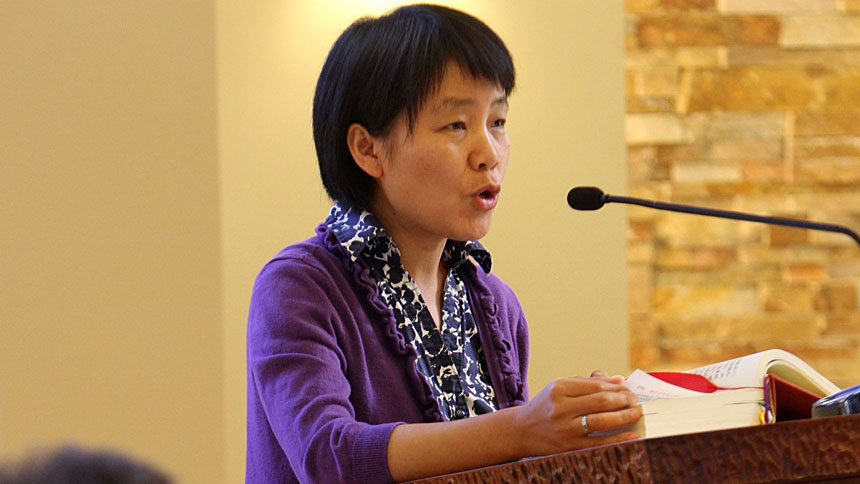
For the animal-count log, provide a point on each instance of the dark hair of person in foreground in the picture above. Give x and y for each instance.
(76, 465)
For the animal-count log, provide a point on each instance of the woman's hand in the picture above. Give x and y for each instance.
(552, 421)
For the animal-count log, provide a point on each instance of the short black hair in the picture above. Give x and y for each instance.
(380, 68)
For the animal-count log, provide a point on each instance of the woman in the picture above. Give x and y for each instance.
(382, 348)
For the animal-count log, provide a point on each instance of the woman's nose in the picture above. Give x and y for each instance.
(485, 154)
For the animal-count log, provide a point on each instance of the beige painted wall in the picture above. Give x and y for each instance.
(110, 316)
(566, 126)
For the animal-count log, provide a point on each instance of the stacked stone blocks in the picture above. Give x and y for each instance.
(747, 105)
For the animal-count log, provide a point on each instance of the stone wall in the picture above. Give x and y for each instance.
(748, 105)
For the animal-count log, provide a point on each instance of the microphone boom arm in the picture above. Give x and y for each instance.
(710, 212)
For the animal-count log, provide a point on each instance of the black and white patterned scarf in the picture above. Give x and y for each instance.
(451, 359)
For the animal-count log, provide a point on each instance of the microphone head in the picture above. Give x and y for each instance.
(585, 198)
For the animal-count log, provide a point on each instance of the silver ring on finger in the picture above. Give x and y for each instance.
(584, 422)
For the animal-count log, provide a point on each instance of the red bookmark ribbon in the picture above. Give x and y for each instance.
(691, 381)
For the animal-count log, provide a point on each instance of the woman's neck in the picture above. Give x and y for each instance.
(421, 256)
(426, 269)
(421, 262)
(420, 251)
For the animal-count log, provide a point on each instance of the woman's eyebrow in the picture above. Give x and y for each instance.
(460, 102)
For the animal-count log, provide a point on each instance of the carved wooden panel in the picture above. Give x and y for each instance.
(798, 450)
(614, 464)
(822, 450)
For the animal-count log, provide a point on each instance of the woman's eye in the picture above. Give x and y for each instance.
(456, 126)
(499, 123)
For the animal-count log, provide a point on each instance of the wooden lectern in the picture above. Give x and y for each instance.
(814, 450)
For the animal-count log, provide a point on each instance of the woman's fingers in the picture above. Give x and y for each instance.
(598, 422)
(578, 386)
(554, 418)
(608, 400)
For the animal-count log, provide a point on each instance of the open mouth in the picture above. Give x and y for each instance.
(487, 197)
(489, 192)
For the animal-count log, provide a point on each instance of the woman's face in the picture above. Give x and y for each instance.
(442, 180)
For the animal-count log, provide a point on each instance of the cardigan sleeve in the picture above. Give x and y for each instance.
(297, 370)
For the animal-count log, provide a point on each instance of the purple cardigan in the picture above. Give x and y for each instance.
(329, 375)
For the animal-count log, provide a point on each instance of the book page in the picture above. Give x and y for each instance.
(793, 369)
(739, 372)
(744, 372)
(647, 387)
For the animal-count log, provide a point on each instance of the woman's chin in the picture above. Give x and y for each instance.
(476, 231)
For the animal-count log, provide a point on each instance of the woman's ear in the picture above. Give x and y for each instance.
(365, 149)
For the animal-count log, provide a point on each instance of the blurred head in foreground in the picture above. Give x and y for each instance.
(75, 465)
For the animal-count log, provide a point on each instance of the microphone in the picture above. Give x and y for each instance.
(592, 198)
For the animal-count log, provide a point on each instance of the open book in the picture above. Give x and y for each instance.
(756, 389)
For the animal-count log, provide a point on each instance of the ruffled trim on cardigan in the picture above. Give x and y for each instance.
(361, 273)
(510, 375)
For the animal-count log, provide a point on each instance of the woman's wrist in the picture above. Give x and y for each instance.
(515, 431)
